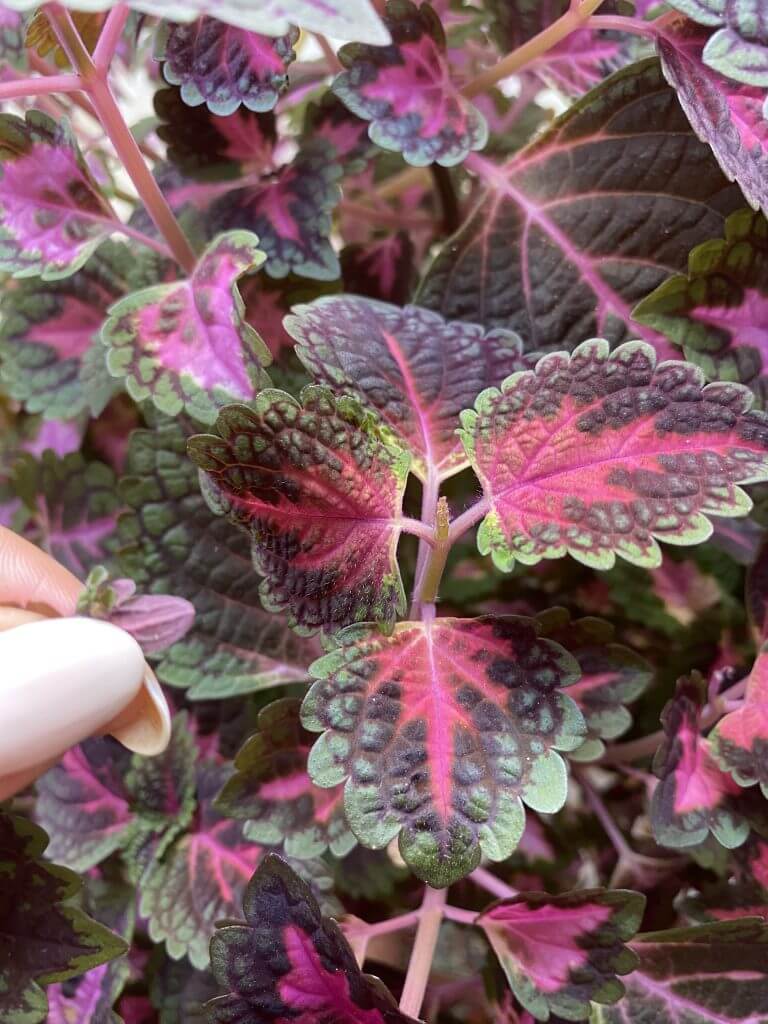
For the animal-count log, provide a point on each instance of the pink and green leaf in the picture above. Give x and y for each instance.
(272, 791)
(200, 880)
(603, 453)
(187, 345)
(53, 215)
(694, 796)
(311, 974)
(408, 366)
(699, 975)
(756, 594)
(586, 221)
(83, 804)
(343, 19)
(561, 953)
(171, 543)
(612, 676)
(717, 312)
(223, 66)
(71, 508)
(320, 494)
(405, 91)
(725, 114)
(740, 739)
(443, 730)
(290, 212)
(43, 938)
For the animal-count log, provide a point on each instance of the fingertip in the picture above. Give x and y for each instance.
(29, 578)
(145, 725)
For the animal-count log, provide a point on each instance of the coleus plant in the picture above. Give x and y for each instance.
(394, 373)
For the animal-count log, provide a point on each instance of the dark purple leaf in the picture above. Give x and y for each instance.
(382, 269)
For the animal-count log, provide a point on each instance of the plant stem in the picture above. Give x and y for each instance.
(435, 563)
(33, 86)
(110, 36)
(616, 23)
(573, 18)
(423, 952)
(429, 497)
(603, 815)
(468, 519)
(331, 59)
(488, 881)
(460, 915)
(392, 924)
(647, 745)
(419, 529)
(114, 124)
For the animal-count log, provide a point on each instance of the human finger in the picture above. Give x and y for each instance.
(31, 579)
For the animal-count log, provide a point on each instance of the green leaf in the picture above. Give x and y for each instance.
(42, 939)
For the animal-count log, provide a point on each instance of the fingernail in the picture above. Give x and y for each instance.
(62, 680)
(145, 725)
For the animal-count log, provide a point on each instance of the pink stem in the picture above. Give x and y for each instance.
(417, 528)
(392, 924)
(111, 33)
(616, 23)
(488, 881)
(429, 496)
(34, 86)
(468, 519)
(460, 915)
(423, 952)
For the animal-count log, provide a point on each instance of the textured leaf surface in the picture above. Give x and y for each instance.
(83, 803)
(223, 66)
(727, 115)
(597, 455)
(708, 974)
(740, 739)
(172, 543)
(321, 496)
(718, 312)
(271, 790)
(561, 952)
(739, 47)
(50, 331)
(586, 221)
(42, 939)
(694, 796)
(756, 594)
(53, 215)
(311, 976)
(343, 19)
(409, 366)
(291, 214)
(443, 730)
(612, 676)
(186, 345)
(72, 507)
(382, 269)
(405, 91)
(200, 880)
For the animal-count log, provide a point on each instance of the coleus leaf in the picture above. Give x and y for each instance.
(694, 796)
(171, 543)
(718, 312)
(12, 48)
(42, 938)
(410, 367)
(207, 146)
(586, 221)
(729, 116)
(612, 676)
(290, 212)
(83, 803)
(53, 215)
(71, 506)
(598, 454)
(443, 730)
(271, 790)
(699, 975)
(268, 301)
(223, 66)
(560, 953)
(739, 47)
(342, 19)
(740, 739)
(201, 878)
(187, 345)
(49, 335)
(405, 91)
(154, 621)
(382, 269)
(311, 976)
(178, 992)
(321, 495)
(329, 119)
(91, 996)
(756, 594)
